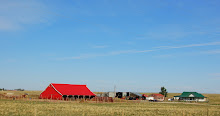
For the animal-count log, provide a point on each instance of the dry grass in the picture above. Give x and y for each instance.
(30, 107)
(42, 108)
(31, 94)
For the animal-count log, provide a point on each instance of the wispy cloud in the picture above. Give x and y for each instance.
(16, 14)
(8, 25)
(83, 56)
(212, 52)
(179, 31)
(166, 31)
(190, 45)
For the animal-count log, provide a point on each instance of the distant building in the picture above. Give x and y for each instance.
(135, 96)
(191, 96)
(149, 98)
(146, 97)
(158, 97)
(66, 91)
(111, 94)
(177, 97)
(122, 95)
(106, 94)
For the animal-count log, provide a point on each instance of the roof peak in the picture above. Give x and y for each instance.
(67, 84)
(190, 92)
(187, 94)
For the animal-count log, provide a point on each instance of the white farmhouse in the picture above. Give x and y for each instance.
(191, 96)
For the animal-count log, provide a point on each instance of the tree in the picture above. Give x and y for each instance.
(163, 91)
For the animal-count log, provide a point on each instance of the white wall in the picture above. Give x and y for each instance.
(176, 98)
(149, 98)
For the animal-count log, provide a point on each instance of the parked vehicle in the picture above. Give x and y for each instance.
(153, 100)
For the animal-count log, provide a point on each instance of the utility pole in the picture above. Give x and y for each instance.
(114, 90)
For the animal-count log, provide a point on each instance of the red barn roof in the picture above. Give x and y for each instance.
(56, 91)
(70, 89)
(145, 95)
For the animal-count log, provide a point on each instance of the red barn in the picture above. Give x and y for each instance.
(64, 91)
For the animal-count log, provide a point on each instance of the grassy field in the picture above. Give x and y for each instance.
(35, 107)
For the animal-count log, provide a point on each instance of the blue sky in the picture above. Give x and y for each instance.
(137, 45)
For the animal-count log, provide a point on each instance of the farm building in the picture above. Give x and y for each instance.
(190, 96)
(177, 97)
(158, 97)
(130, 95)
(66, 91)
(122, 95)
(148, 97)
(135, 96)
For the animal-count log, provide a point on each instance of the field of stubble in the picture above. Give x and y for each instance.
(35, 107)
